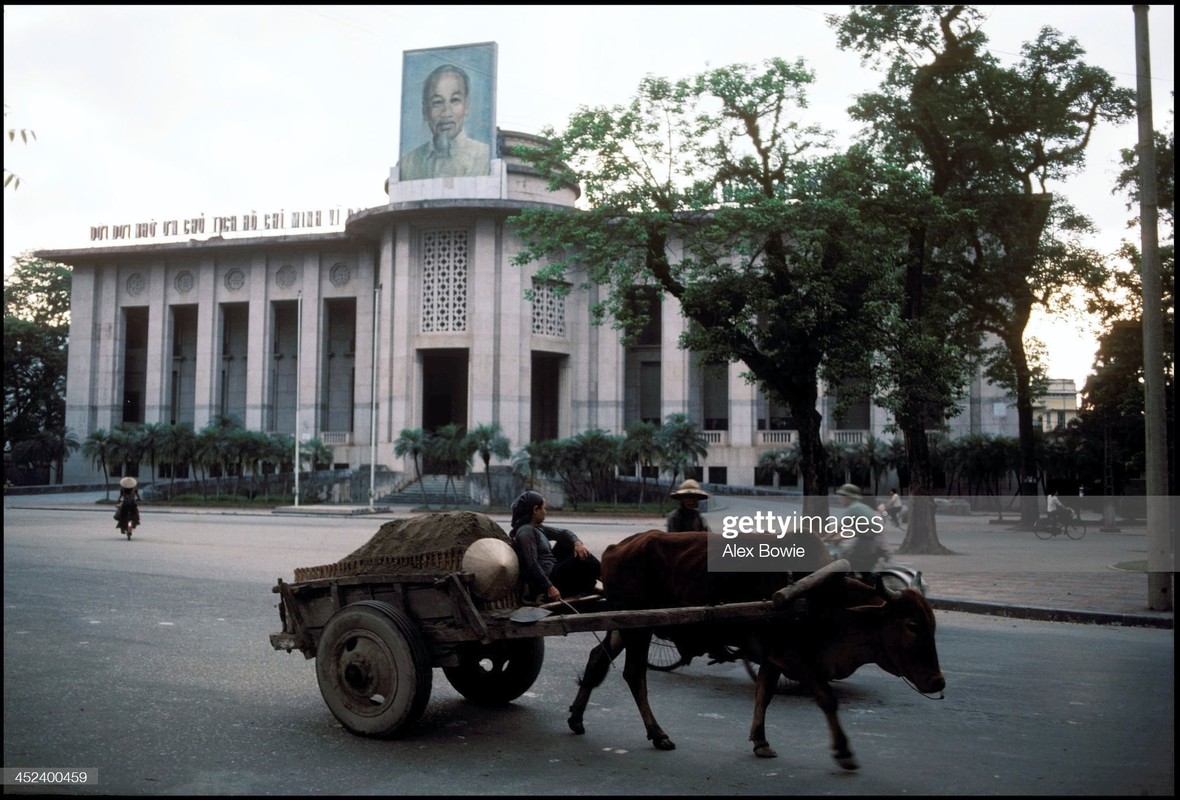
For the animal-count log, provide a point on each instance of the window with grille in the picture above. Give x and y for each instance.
(444, 281)
(548, 309)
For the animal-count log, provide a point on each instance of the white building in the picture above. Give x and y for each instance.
(412, 316)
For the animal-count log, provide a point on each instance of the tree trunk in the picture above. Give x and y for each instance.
(813, 464)
(921, 537)
(1029, 508)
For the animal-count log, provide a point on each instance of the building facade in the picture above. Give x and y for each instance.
(412, 316)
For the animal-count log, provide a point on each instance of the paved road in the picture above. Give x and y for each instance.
(149, 660)
(994, 569)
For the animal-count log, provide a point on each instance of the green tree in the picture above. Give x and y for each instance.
(47, 449)
(36, 338)
(97, 449)
(873, 454)
(450, 448)
(25, 135)
(126, 450)
(415, 443)
(714, 190)
(599, 453)
(152, 437)
(782, 463)
(641, 446)
(683, 445)
(988, 138)
(488, 440)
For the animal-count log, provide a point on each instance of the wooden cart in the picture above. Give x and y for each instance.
(376, 639)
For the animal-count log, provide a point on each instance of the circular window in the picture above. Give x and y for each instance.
(135, 283)
(184, 282)
(235, 279)
(340, 274)
(285, 277)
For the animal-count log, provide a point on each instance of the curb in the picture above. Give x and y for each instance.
(1054, 614)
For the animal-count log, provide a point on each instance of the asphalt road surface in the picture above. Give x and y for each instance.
(149, 661)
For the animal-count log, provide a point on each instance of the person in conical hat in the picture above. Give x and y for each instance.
(687, 516)
(128, 503)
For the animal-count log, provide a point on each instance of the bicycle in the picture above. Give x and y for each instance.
(1048, 527)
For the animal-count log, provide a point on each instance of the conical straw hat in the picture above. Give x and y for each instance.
(495, 566)
(128, 482)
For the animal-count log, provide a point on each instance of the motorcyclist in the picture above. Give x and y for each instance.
(867, 547)
(127, 509)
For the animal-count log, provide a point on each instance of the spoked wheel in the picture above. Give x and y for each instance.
(664, 656)
(126, 529)
(1075, 529)
(373, 668)
(1043, 528)
(495, 674)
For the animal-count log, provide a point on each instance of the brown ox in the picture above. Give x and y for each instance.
(845, 624)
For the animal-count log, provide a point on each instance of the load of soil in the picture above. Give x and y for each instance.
(428, 543)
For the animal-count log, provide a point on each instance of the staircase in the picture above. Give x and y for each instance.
(411, 495)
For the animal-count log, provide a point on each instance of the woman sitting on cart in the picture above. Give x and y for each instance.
(553, 561)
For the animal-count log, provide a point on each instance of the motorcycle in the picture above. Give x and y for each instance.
(127, 518)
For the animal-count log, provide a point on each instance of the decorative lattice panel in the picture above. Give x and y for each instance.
(444, 281)
(548, 309)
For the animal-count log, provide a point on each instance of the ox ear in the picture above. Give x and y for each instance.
(884, 590)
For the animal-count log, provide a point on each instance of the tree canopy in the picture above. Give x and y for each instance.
(714, 190)
(36, 336)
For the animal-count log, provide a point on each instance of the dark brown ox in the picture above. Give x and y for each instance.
(838, 626)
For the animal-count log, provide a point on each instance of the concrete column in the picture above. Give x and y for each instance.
(366, 377)
(397, 336)
(257, 372)
(208, 357)
(515, 350)
(82, 402)
(310, 345)
(676, 392)
(483, 364)
(158, 366)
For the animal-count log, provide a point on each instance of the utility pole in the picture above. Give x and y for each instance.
(1160, 516)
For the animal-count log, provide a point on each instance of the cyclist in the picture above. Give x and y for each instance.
(1059, 514)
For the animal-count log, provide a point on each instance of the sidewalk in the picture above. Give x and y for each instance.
(994, 570)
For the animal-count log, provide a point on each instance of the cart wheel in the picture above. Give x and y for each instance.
(664, 656)
(373, 668)
(495, 674)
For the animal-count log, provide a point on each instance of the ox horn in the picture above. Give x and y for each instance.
(809, 582)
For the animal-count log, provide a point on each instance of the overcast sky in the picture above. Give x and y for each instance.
(150, 113)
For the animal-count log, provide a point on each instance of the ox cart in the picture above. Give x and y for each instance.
(377, 637)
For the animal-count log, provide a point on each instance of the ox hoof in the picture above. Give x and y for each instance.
(765, 751)
(847, 762)
(664, 744)
(576, 726)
